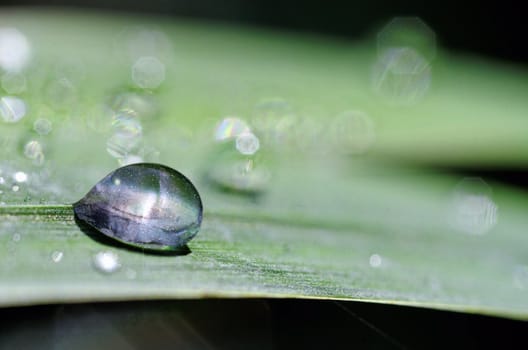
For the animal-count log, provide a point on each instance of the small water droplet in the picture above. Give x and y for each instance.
(57, 256)
(148, 72)
(401, 75)
(34, 150)
(42, 126)
(2, 180)
(352, 132)
(472, 209)
(15, 188)
(106, 262)
(140, 211)
(375, 260)
(12, 109)
(16, 237)
(230, 128)
(20, 176)
(247, 143)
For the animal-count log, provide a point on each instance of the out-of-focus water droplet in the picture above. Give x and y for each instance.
(230, 128)
(143, 105)
(15, 50)
(34, 150)
(61, 94)
(15, 188)
(520, 276)
(472, 209)
(2, 180)
(247, 143)
(375, 260)
(127, 135)
(14, 83)
(411, 32)
(20, 176)
(401, 75)
(42, 126)
(145, 42)
(352, 132)
(131, 274)
(153, 207)
(56, 256)
(106, 262)
(148, 72)
(239, 175)
(12, 109)
(16, 237)
(271, 120)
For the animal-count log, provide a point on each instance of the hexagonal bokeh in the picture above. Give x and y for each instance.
(407, 32)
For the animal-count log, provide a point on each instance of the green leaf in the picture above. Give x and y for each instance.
(325, 226)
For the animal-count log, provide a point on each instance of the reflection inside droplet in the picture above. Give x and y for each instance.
(106, 262)
(12, 109)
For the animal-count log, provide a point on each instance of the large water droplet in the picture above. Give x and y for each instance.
(12, 109)
(145, 205)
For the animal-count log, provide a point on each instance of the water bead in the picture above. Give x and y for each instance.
(145, 205)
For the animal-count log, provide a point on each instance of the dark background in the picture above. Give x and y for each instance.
(497, 30)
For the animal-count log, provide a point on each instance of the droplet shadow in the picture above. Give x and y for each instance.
(100, 238)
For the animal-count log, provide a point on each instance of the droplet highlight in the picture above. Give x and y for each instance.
(145, 205)
(106, 262)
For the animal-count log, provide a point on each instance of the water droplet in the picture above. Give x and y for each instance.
(42, 126)
(20, 176)
(148, 72)
(153, 207)
(127, 135)
(472, 209)
(106, 262)
(12, 109)
(230, 128)
(375, 260)
(352, 132)
(15, 188)
(57, 256)
(16, 237)
(272, 120)
(410, 32)
(239, 175)
(61, 94)
(401, 75)
(15, 50)
(33, 150)
(247, 143)
(14, 83)
(2, 180)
